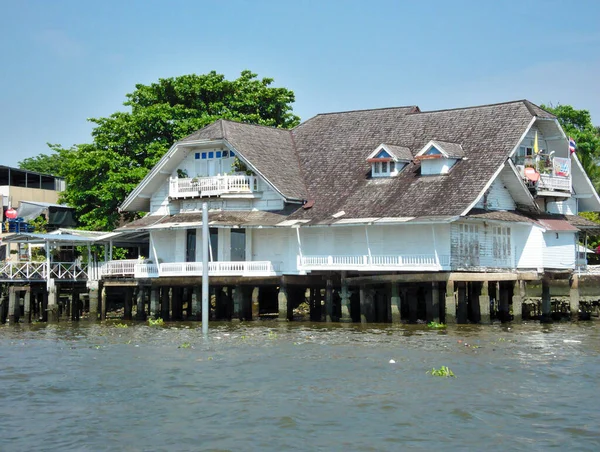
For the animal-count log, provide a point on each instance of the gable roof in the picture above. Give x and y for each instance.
(336, 143)
(396, 152)
(268, 150)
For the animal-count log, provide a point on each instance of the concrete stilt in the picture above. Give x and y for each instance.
(517, 301)
(283, 303)
(13, 305)
(52, 303)
(154, 309)
(176, 304)
(103, 303)
(197, 302)
(450, 305)
(140, 314)
(93, 294)
(395, 300)
(484, 304)
(329, 301)
(574, 297)
(3, 309)
(345, 301)
(237, 304)
(27, 306)
(503, 311)
(165, 302)
(255, 303)
(367, 305)
(546, 302)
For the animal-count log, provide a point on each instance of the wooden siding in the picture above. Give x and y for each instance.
(159, 202)
(559, 251)
(564, 207)
(529, 246)
(431, 167)
(497, 197)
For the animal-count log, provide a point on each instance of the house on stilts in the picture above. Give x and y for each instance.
(385, 215)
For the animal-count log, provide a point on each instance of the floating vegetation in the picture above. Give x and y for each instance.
(441, 372)
(157, 322)
(272, 335)
(185, 345)
(436, 325)
(121, 325)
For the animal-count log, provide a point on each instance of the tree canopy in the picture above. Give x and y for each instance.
(126, 145)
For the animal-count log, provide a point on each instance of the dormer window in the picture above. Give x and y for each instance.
(388, 160)
(437, 157)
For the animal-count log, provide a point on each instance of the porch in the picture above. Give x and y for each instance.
(405, 262)
(211, 186)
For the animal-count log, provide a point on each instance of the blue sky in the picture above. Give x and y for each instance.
(66, 61)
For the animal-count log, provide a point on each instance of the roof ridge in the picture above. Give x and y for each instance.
(523, 101)
(412, 107)
(255, 125)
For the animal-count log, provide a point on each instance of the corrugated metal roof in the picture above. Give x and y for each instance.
(41, 238)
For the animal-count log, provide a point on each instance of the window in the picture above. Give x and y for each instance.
(468, 245)
(384, 167)
(225, 154)
(376, 167)
(392, 166)
(231, 154)
(218, 154)
(501, 242)
(197, 156)
(211, 155)
(204, 156)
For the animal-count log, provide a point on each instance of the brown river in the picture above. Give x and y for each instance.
(269, 386)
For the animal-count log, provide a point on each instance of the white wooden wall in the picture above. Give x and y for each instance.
(559, 251)
(564, 207)
(436, 166)
(529, 246)
(498, 198)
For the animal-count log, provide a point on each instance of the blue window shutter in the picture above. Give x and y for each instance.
(197, 156)
(218, 154)
(204, 156)
(211, 155)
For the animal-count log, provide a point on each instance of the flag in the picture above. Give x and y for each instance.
(572, 145)
(536, 149)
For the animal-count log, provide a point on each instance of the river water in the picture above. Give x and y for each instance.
(273, 386)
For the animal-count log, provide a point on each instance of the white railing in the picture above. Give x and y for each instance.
(211, 186)
(374, 262)
(551, 182)
(145, 271)
(223, 268)
(37, 271)
(123, 268)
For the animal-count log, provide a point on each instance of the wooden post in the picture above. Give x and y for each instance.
(93, 297)
(237, 303)
(13, 305)
(462, 302)
(128, 303)
(255, 300)
(546, 302)
(329, 301)
(197, 303)
(435, 301)
(75, 305)
(413, 303)
(52, 301)
(154, 310)
(103, 303)
(450, 303)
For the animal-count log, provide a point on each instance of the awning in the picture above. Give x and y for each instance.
(557, 225)
(532, 174)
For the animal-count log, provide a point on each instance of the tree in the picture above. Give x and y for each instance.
(578, 125)
(126, 145)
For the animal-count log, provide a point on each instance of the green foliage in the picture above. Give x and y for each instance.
(121, 325)
(126, 145)
(441, 372)
(436, 325)
(40, 224)
(185, 345)
(157, 322)
(578, 125)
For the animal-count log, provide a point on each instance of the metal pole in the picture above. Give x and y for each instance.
(205, 237)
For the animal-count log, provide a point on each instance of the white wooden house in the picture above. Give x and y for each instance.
(369, 191)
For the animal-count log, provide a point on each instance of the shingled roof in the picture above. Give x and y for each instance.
(332, 149)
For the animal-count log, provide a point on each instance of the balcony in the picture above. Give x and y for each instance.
(406, 262)
(136, 269)
(550, 182)
(212, 186)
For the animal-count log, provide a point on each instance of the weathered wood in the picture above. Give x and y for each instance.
(444, 276)
(450, 304)
(329, 301)
(484, 304)
(574, 297)
(395, 307)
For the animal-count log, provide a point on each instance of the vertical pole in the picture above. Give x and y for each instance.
(368, 244)
(13, 305)
(205, 237)
(517, 301)
(450, 302)
(574, 296)
(27, 305)
(546, 302)
(103, 303)
(395, 303)
(435, 301)
(154, 313)
(484, 303)
(329, 301)
(345, 296)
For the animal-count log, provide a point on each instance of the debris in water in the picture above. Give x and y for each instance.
(571, 341)
(392, 361)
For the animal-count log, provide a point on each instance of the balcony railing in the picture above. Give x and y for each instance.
(552, 182)
(37, 271)
(374, 262)
(211, 186)
(136, 269)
